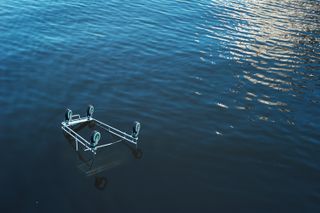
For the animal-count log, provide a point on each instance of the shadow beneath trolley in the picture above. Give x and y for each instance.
(94, 165)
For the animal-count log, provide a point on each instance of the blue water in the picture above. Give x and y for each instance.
(227, 93)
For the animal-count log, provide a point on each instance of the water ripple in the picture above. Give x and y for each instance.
(227, 92)
(275, 43)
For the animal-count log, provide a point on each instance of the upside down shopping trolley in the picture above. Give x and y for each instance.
(93, 145)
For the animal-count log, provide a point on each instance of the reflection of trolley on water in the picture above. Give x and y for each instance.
(93, 145)
(94, 165)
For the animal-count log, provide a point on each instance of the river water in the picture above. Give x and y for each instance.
(227, 93)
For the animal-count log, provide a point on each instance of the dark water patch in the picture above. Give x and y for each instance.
(227, 93)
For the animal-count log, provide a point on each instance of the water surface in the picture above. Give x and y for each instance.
(227, 93)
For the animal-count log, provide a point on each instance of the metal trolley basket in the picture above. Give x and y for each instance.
(93, 145)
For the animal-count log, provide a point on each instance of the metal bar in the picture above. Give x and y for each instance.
(134, 141)
(77, 115)
(76, 121)
(125, 136)
(79, 139)
(103, 145)
(127, 139)
(108, 144)
(76, 135)
(110, 127)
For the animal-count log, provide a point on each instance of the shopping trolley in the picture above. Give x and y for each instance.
(93, 144)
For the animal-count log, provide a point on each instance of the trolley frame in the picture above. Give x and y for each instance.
(77, 119)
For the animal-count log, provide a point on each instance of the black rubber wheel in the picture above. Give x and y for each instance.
(90, 110)
(136, 129)
(100, 182)
(95, 138)
(137, 154)
(68, 115)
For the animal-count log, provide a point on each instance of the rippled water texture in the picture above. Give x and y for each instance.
(227, 92)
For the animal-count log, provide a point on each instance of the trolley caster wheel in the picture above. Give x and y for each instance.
(137, 154)
(95, 138)
(100, 182)
(90, 111)
(68, 115)
(136, 129)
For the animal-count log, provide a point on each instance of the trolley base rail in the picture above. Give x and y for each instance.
(92, 145)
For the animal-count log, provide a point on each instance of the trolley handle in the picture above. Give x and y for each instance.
(77, 116)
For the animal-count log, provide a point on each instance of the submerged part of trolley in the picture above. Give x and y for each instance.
(94, 143)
